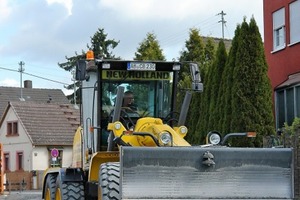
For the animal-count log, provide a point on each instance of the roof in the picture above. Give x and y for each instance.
(47, 123)
(30, 95)
(292, 80)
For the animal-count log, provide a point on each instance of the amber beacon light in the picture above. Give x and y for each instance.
(90, 55)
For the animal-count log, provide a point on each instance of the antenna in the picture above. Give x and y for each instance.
(222, 21)
(21, 70)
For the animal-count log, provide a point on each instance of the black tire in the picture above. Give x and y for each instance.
(69, 190)
(109, 181)
(50, 187)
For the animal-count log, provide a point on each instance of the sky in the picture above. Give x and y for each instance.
(42, 33)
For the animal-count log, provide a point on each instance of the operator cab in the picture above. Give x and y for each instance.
(153, 86)
(150, 85)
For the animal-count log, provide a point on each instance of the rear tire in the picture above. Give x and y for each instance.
(69, 190)
(109, 181)
(50, 187)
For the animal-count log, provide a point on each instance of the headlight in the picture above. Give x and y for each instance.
(213, 138)
(117, 126)
(183, 130)
(165, 138)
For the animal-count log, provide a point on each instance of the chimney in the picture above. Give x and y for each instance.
(28, 84)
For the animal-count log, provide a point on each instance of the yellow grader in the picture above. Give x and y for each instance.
(140, 153)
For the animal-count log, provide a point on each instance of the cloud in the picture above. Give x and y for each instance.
(9, 82)
(155, 9)
(5, 10)
(35, 34)
(49, 32)
(68, 4)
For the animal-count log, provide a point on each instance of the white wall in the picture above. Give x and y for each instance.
(14, 144)
(67, 157)
(41, 157)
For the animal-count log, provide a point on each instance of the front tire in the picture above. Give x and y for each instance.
(50, 187)
(109, 181)
(69, 190)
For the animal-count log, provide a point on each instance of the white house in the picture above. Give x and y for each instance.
(29, 132)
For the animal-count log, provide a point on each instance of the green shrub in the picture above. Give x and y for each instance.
(291, 130)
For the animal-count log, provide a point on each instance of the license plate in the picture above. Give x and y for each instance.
(141, 66)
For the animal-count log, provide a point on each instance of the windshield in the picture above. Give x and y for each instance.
(150, 93)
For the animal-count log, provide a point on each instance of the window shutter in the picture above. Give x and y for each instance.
(278, 19)
(294, 22)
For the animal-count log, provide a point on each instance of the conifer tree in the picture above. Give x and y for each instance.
(215, 84)
(209, 56)
(251, 90)
(149, 49)
(201, 126)
(226, 86)
(99, 44)
(102, 48)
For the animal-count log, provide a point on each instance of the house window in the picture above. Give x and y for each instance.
(287, 105)
(280, 108)
(12, 128)
(290, 105)
(294, 22)
(6, 162)
(278, 29)
(20, 161)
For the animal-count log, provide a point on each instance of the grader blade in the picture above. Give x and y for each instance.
(206, 173)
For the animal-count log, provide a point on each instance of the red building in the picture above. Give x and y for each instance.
(282, 50)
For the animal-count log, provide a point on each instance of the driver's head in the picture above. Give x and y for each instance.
(128, 99)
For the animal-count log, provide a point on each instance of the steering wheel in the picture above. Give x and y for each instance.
(126, 117)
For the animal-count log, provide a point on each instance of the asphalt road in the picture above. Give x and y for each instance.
(28, 195)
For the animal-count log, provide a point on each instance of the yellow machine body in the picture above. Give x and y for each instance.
(148, 125)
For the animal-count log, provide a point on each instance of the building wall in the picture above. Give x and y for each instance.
(14, 144)
(67, 158)
(284, 62)
(41, 157)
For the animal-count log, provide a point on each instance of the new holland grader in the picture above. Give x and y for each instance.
(139, 151)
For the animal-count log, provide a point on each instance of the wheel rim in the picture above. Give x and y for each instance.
(47, 197)
(57, 194)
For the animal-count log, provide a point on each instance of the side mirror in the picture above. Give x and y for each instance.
(196, 79)
(80, 70)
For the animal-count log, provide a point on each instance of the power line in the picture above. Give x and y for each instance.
(40, 77)
(227, 31)
(179, 35)
(36, 69)
(46, 79)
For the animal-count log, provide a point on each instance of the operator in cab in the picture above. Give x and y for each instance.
(128, 101)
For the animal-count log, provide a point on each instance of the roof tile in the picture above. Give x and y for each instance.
(30, 95)
(47, 124)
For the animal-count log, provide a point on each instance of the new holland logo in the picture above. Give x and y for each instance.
(135, 75)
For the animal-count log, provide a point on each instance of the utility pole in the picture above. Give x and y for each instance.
(74, 85)
(21, 70)
(222, 21)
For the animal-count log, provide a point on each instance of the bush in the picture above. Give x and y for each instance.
(291, 130)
